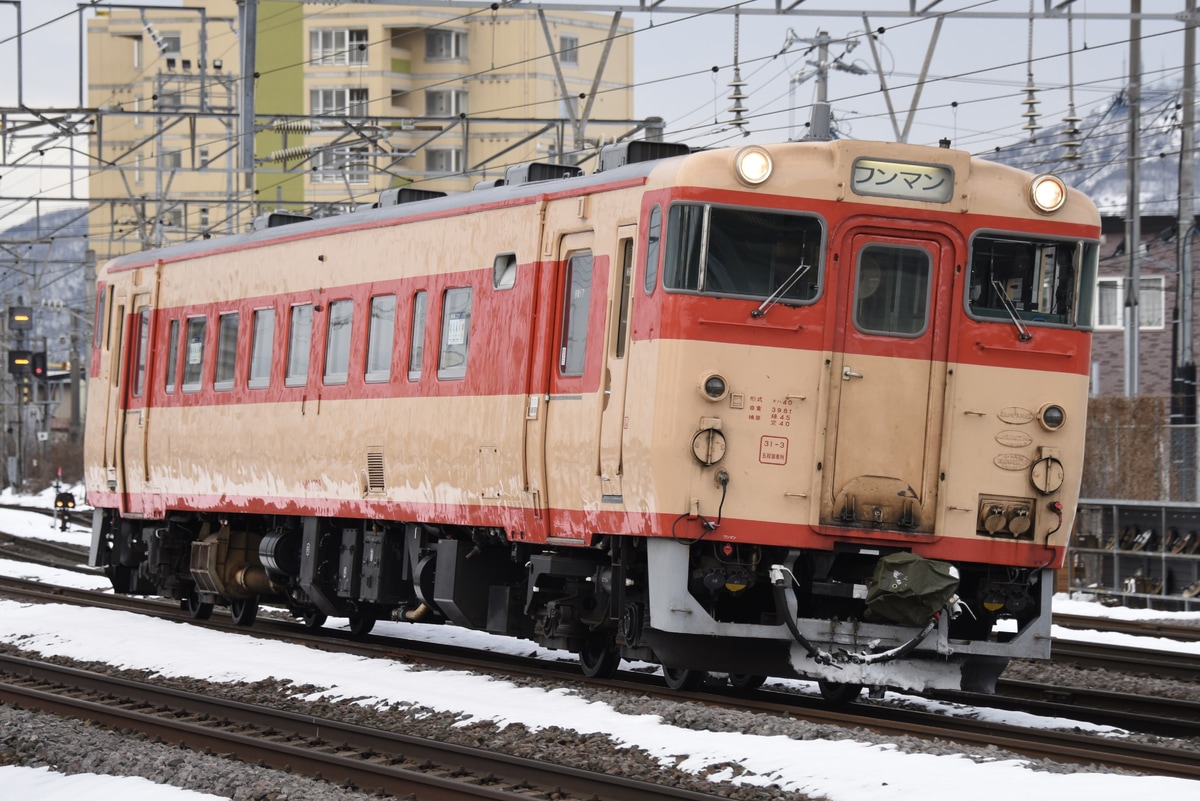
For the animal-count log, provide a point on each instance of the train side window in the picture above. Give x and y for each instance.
(622, 336)
(504, 271)
(142, 344)
(456, 329)
(337, 341)
(299, 345)
(193, 359)
(380, 335)
(416, 352)
(262, 335)
(227, 336)
(101, 320)
(572, 347)
(172, 356)
(891, 290)
(653, 241)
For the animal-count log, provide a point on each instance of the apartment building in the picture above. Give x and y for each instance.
(348, 100)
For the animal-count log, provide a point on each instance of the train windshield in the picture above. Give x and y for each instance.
(741, 252)
(1032, 280)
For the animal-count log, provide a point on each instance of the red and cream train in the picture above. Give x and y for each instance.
(811, 409)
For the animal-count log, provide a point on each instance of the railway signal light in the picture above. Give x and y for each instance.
(20, 318)
(37, 364)
(19, 362)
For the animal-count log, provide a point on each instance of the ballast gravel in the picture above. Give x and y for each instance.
(67, 746)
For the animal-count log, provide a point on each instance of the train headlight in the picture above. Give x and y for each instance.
(714, 387)
(1047, 193)
(1052, 416)
(753, 165)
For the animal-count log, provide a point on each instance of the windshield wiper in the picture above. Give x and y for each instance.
(1022, 332)
(773, 298)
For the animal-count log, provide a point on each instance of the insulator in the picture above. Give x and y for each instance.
(292, 126)
(289, 153)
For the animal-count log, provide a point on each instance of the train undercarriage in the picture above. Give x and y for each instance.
(850, 617)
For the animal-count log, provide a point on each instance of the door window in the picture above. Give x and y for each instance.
(891, 290)
(573, 345)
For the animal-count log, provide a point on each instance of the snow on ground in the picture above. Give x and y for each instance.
(839, 771)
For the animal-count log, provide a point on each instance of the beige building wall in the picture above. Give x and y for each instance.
(350, 100)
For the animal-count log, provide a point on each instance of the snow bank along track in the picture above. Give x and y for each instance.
(1178, 717)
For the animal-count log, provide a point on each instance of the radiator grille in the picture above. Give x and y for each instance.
(375, 470)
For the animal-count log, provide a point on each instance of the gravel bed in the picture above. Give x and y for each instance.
(70, 747)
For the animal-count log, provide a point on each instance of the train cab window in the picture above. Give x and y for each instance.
(227, 336)
(891, 290)
(653, 243)
(337, 341)
(262, 334)
(737, 252)
(1030, 280)
(380, 335)
(416, 351)
(193, 357)
(572, 348)
(299, 345)
(172, 356)
(456, 330)
(504, 271)
(143, 345)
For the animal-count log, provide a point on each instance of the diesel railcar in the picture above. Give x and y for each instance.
(811, 409)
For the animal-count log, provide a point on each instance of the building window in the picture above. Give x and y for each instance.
(337, 341)
(137, 52)
(444, 45)
(572, 347)
(170, 159)
(204, 218)
(338, 102)
(299, 345)
(331, 47)
(335, 165)
(381, 332)
(170, 44)
(193, 357)
(456, 328)
(1110, 308)
(168, 101)
(445, 102)
(443, 160)
(227, 333)
(203, 158)
(416, 352)
(262, 335)
(172, 356)
(568, 49)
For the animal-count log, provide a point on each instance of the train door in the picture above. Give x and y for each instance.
(889, 367)
(573, 397)
(614, 380)
(114, 368)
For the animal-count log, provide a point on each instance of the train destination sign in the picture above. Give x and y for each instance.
(903, 180)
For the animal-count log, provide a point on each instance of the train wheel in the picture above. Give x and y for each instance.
(243, 612)
(745, 682)
(198, 610)
(599, 658)
(683, 678)
(361, 626)
(313, 618)
(837, 693)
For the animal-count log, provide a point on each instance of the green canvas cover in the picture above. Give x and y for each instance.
(909, 589)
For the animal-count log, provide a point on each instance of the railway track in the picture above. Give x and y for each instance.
(888, 719)
(344, 754)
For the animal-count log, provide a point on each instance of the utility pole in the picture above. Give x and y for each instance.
(1133, 210)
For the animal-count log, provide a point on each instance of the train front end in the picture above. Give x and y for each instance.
(873, 360)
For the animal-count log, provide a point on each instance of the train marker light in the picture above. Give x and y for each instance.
(1052, 416)
(1047, 193)
(715, 387)
(753, 165)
